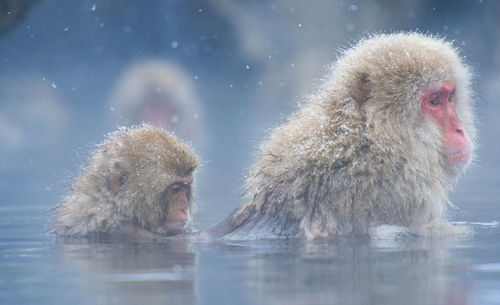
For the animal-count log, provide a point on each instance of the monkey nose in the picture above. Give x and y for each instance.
(461, 133)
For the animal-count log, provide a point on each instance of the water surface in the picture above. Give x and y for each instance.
(35, 269)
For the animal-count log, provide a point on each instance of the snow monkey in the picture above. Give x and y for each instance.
(159, 92)
(381, 142)
(138, 183)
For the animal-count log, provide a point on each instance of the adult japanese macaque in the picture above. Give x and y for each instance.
(138, 184)
(380, 143)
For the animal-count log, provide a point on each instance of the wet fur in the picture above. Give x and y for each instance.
(360, 153)
(144, 160)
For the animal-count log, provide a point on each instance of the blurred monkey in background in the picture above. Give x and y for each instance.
(159, 93)
(33, 119)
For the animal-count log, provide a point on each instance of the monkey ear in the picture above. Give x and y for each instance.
(119, 176)
(363, 88)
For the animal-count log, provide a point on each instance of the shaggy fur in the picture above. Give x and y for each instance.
(150, 160)
(360, 153)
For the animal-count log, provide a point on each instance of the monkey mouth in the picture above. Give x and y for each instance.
(176, 227)
(460, 156)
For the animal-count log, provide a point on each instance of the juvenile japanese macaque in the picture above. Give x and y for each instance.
(139, 183)
(380, 143)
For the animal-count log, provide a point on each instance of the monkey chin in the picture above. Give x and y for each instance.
(458, 161)
(176, 228)
(460, 157)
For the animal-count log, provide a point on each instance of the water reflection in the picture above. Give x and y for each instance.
(351, 272)
(37, 270)
(159, 273)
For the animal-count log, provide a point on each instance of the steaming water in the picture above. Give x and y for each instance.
(250, 62)
(36, 270)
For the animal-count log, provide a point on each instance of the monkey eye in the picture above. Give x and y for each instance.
(435, 101)
(176, 188)
(450, 97)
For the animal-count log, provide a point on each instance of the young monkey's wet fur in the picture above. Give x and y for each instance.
(124, 188)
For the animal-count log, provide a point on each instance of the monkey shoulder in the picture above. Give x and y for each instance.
(310, 147)
(83, 213)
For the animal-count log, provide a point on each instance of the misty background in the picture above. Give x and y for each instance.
(66, 68)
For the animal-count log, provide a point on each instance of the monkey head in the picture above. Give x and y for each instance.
(139, 178)
(150, 177)
(159, 92)
(414, 91)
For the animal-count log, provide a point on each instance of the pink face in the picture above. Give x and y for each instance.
(159, 112)
(439, 104)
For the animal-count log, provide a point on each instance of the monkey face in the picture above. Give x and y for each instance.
(438, 103)
(142, 195)
(161, 110)
(178, 196)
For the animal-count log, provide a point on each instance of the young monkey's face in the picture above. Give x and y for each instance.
(175, 202)
(178, 205)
